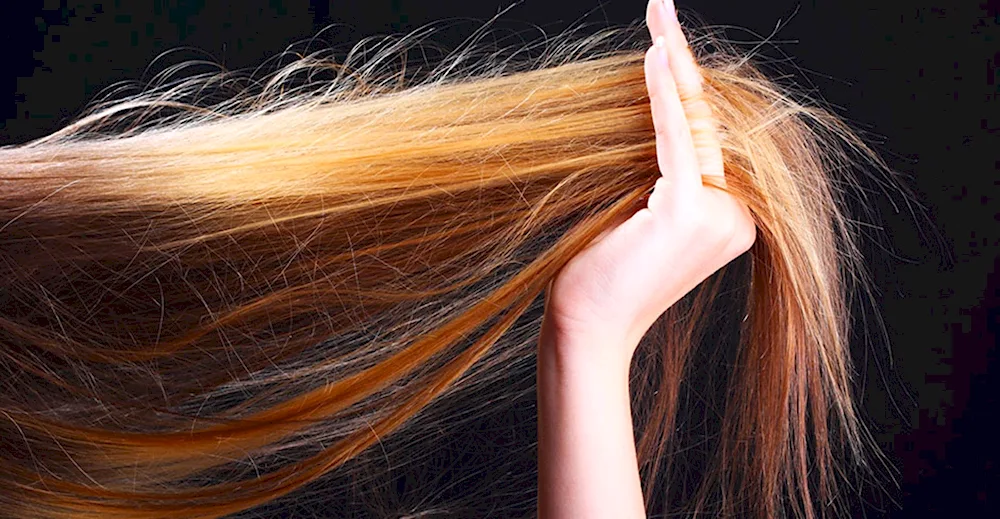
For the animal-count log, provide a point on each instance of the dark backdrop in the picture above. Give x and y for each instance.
(920, 78)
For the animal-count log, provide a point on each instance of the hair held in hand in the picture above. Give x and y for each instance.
(209, 304)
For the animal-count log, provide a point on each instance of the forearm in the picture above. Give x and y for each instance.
(586, 449)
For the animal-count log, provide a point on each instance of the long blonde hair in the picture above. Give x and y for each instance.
(207, 306)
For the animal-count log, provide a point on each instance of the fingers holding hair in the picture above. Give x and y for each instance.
(661, 19)
(675, 152)
(674, 147)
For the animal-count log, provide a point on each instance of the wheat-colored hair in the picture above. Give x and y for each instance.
(209, 305)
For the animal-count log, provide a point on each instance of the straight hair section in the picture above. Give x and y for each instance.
(207, 306)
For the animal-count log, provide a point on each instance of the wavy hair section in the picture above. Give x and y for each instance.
(208, 306)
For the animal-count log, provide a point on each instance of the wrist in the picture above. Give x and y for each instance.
(587, 463)
(600, 355)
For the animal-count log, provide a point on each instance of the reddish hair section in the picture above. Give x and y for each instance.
(283, 279)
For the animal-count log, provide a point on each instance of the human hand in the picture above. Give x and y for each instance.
(605, 299)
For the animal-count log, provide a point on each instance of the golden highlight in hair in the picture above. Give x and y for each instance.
(205, 308)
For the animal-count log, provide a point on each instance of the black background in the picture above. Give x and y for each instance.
(919, 78)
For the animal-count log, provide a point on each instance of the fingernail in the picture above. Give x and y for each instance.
(661, 47)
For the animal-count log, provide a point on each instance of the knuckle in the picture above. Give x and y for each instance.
(745, 237)
(660, 129)
(727, 231)
(671, 132)
(678, 130)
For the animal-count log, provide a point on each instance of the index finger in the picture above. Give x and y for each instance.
(662, 20)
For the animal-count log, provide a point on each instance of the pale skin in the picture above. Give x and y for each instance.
(605, 299)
